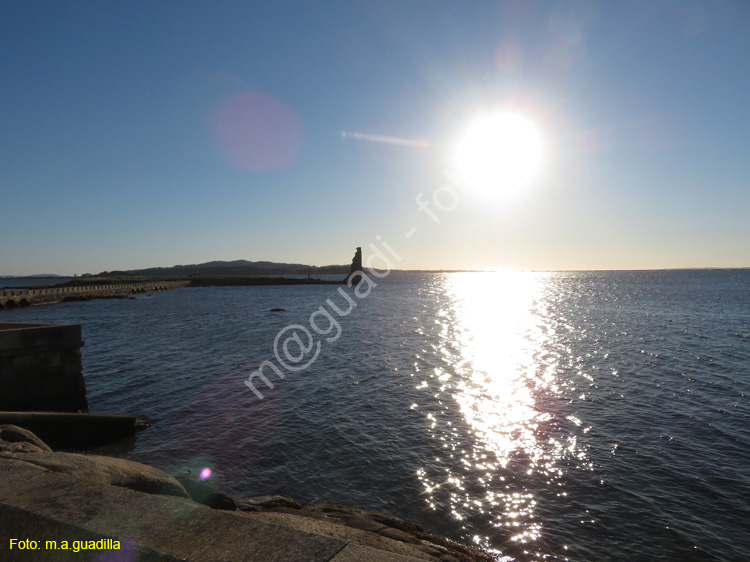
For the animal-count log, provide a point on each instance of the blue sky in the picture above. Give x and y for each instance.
(137, 134)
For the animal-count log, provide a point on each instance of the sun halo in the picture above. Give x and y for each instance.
(498, 154)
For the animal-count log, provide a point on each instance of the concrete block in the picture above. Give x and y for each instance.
(45, 358)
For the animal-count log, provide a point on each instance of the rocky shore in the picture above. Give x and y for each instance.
(57, 501)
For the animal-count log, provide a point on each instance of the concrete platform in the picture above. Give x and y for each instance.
(69, 430)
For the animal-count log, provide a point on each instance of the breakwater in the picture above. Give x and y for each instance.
(14, 298)
(259, 281)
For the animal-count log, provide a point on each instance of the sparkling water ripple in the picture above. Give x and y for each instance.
(581, 416)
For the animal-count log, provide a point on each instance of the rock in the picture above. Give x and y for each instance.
(47, 506)
(52, 493)
(18, 439)
(19, 447)
(398, 535)
(107, 470)
(364, 524)
(400, 524)
(260, 503)
(395, 529)
(206, 493)
(22, 445)
(355, 270)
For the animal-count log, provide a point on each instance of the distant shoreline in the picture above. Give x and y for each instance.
(314, 280)
(35, 276)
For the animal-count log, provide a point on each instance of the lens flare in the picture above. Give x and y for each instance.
(255, 131)
(400, 141)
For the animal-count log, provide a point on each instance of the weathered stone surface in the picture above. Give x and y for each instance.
(406, 526)
(260, 503)
(19, 447)
(398, 535)
(106, 470)
(323, 526)
(46, 505)
(65, 496)
(372, 529)
(364, 524)
(205, 493)
(356, 553)
(12, 435)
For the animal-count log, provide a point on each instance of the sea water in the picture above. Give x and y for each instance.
(582, 416)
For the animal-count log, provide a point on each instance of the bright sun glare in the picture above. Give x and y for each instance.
(499, 154)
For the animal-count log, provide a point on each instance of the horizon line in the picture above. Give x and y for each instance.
(439, 270)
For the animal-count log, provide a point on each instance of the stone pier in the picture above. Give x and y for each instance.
(14, 298)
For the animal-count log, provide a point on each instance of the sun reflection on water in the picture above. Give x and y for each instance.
(497, 331)
(501, 369)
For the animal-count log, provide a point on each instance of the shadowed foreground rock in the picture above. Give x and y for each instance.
(56, 497)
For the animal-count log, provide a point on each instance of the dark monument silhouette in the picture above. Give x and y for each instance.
(355, 270)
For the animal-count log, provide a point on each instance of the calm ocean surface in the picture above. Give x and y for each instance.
(583, 416)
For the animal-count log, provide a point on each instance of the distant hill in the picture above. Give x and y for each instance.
(237, 267)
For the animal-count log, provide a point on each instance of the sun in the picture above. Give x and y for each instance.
(499, 153)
